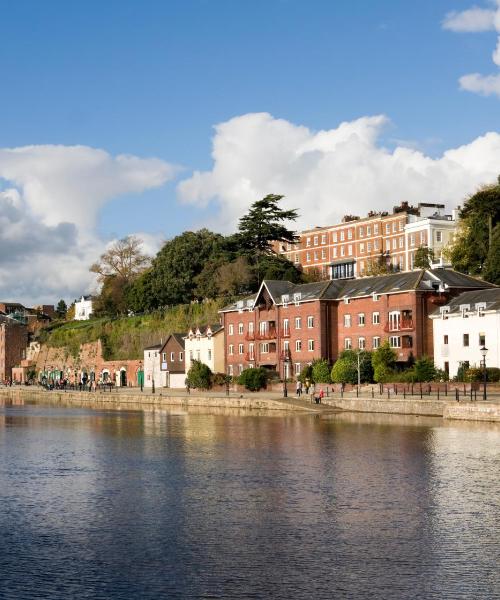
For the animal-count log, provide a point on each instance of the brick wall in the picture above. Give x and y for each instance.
(13, 342)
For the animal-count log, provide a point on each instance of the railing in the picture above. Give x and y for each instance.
(268, 358)
(269, 334)
(401, 325)
(250, 336)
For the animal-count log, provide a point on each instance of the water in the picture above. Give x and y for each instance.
(148, 505)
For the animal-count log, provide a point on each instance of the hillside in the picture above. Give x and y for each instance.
(126, 337)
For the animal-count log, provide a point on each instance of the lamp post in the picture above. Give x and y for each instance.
(286, 361)
(484, 352)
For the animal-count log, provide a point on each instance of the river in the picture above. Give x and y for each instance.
(124, 504)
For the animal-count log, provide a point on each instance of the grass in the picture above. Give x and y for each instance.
(126, 337)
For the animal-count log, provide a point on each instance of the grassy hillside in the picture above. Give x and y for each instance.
(126, 337)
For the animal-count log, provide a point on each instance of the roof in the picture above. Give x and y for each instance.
(155, 347)
(491, 297)
(336, 289)
(178, 337)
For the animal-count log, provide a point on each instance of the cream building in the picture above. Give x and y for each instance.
(83, 308)
(152, 367)
(463, 326)
(206, 344)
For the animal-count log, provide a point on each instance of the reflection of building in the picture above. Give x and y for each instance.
(172, 360)
(205, 344)
(84, 308)
(465, 324)
(357, 246)
(286, 326)
(13, 342)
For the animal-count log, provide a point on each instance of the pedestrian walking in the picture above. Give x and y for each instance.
(321, 395)
(299, 388)
(308, 385)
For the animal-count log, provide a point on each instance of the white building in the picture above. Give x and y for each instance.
(463, 326)
(206, 344)
(152, 367)
(83, 308)
(432, 229)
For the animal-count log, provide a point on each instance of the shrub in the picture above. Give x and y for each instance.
(253, 379)
(493, 374)
(424, 369)
(306, 373)
(321, 371)
(220, 379)
(383, 362)
(199, 376)
(344, 371)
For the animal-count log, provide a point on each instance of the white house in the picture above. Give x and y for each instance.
(206, 344)
(152, 367)
(83, 308)
(463, 326)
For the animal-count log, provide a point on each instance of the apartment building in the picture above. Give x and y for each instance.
(355, 247)
(286, 326)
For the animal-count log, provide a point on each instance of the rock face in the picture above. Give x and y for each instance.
(124, 373)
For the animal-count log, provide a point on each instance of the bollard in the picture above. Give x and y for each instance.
(357, 391)
(412, 388)
(373, 393)
(388, 393)
(396, 389)
(342, 392)
(445, 389)
(438, 392)
(471, 392)
(420, 391)
(475, 394)
(465, 390)
(404, 393)
(456, 395)
(327, 391)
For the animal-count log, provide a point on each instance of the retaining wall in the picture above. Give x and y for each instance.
(472, 411)
(430, 408)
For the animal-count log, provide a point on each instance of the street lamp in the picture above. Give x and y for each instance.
(286, 361)
(484, 352)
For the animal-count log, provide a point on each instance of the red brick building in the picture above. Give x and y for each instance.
(286, 326)
(13, 343)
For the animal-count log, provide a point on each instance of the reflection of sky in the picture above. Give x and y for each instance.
(124, 504)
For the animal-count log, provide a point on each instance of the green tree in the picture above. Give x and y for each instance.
(348, 367)
(321, 371)
(345, 371)
(61, 309)
(423, 258)
(480, 216)
(199, 376)
(305, 374)
(383, 362)
(492, 265)
(253, 379)
(424, 369)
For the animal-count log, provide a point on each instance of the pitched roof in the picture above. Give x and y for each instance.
(155, 347)
(491, 297)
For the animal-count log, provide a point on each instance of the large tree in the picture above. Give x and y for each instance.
(480, 217)
(124, 259)
(423, 258)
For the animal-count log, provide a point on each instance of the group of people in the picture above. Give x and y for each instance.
(317, 398)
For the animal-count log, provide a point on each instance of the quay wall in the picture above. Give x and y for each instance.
(472, 411)
(428, 408)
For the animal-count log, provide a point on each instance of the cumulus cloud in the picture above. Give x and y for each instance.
(473, 20)
(49, 205)
(327, 174)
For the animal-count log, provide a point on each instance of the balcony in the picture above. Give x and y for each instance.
(268, 358)
(250, 336)
(267, 334)
(250, 357)
(401, 325)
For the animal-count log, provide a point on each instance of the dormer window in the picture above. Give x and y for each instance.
(480, 307)
(444, 310)
(375, 297)
(250, 303)
(285, 299)
(346, 300)
(297, 298)
(465, 309)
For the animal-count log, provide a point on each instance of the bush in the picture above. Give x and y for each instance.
(493, 374)
(383, 362)
(253, 379)
(321, 371)
(220, 379)
(199, 376)
(306, 373)
(344, 371)
(347, 370)
(424, 369)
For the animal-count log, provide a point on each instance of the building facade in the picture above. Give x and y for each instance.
(173, 360)
(13, 344)
(205, 344)
(465, 325)
(357, 247)
(84, 308)
(153, 373)
(285, 326)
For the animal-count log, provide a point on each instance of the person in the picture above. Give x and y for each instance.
(321, 395)
(299, 388)
(308, 384)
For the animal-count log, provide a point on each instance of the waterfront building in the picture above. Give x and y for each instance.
(463, 326)
(84, 308)
(13, 343)
(358, 247)
(172, 363)
(286, 326)
(152, 367)
(205, 344)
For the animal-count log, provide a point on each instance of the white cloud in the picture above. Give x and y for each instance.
(486, 85)
(472, 20)
(49, 205)
(327, 174)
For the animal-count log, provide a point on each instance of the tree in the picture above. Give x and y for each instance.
(199, 376)
(347, 370)
(423, 258)
(424, 369)
(124, 259)
(379, 265)
(61, 309)
(480, 216)
(234, 278)
(253, 379)
(112, 300)
(70, 313)
(383, 362)
(305, 374)
(492, 264)
(321, 371)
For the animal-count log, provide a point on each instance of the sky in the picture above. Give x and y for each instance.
(154, 117)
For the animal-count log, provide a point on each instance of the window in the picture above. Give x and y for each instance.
(394, 243)
(401, 242)
(369, 247)
(230, 370)
(362, 267)
(376, 318)
(286, 327)
(376, 343)
(264, 347)
(240, 328)
(395, 341)
(361, 343)
(342, 236)
(335, 253)
(361, 232)
(361, 248)
(482, 339)
(349, 234)
(297, 297)
(347, 320)
(347, 344)
(230, 329)
(376, 297)
(368, 230)
(342, 251)
(298, 322)
(198, 355)
(296, 259)
(240, 350)
(251, 351)
(172, 356)
(315, 255)
(394, 227)
(297, 368)
(308, 242)
(298, 345)
(240, 369)
(439, 236)
(250, 327)
(191, 352)
(334, 236)
(315, 240)
(164, 357)
(412, 239)
(230, 350)
(310, 322)
(375, 245)
(445, 339)
(209, 353)
(349, 250)
(323, 238)
(401, 225)
(387, 228)
(375, 229)
(310, 345)
(181, 356)
(323, 254)
(361, 319)
(308, 257)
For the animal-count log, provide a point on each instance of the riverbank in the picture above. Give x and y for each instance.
(425, 407)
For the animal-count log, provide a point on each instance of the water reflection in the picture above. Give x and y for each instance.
(232, 504)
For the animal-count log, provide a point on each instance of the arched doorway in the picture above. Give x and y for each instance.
(123, 377)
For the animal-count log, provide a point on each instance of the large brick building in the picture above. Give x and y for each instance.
(286, 326)
(355, 246)
(13, 343)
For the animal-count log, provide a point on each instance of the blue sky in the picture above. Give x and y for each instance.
(152, 78)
